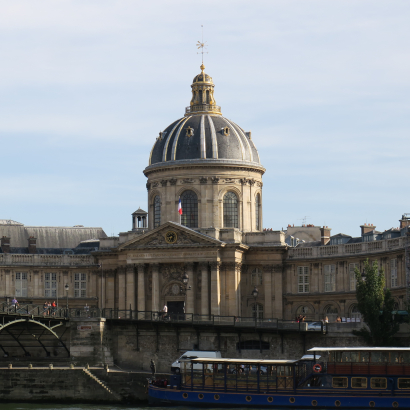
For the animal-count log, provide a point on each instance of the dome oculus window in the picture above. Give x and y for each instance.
(189, 132)
(225, 131)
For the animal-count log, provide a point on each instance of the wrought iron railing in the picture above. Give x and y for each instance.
(39, 311)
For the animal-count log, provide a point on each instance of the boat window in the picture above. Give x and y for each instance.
(364, 357)
(339, 382)
(379, 357)
(378, 383)
(405, 357)
(359, 382)
(403, 383)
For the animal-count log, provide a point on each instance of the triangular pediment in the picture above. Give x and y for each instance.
(170, 235)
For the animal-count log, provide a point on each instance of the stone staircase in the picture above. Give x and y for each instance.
(96, 379)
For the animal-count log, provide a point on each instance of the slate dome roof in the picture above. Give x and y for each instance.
(203, 134)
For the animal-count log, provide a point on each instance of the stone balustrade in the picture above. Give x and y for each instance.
(10, 259)
(347, 249)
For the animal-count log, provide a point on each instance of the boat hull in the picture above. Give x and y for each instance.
(200, 398)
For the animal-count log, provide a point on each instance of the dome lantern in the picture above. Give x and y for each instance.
(203, 101)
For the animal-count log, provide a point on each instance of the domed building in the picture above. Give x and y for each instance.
(208, 161)
(214, 257)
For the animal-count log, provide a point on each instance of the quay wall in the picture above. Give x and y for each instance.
(166, 344)
(72, 385)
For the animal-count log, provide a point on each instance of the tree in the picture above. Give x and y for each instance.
(376, 305)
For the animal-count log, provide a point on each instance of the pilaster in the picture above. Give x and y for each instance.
(155, 287)
(215, 289)
(141, 287)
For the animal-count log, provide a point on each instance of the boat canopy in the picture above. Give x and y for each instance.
(241, 361)
(359, 349)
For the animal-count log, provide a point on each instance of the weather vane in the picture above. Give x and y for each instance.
(202, 45)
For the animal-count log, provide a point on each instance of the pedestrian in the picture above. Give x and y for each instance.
(165, 311)
(152, 365)
(45, 307)
(54, 308)
(48, 308)
(14, 303)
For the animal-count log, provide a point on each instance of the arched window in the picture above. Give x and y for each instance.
(157, 211)
(257, 212)
(256, 277)
(257, 311)
(331, 313)
(230, 210)
(305, 311)
(189, 203)
(354, 313)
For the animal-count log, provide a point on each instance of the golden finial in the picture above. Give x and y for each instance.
(202, 45)
(202, 68)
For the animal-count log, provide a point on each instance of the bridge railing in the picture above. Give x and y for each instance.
(155, 316)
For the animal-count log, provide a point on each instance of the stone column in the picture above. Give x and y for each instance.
(121, 288)
(155, 287)
(215, 288)
(203, 268)
(7, 280)
(189, 308)
(35, 279)
(267, 287)
(130, 287)
(277, 296)
(141, 288)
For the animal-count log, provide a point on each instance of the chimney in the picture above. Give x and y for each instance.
(367, 228)
(325, 235)
(5, 244)
(404, 221)
(32, 246)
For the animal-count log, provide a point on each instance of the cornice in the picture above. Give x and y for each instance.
(204, 163)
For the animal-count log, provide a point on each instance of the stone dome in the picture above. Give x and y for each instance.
(203, 133)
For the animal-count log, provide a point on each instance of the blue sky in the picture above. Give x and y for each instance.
(85, 87)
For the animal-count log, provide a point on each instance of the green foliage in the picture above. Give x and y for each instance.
(376, 304)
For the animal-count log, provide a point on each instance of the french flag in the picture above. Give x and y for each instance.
(180, 206)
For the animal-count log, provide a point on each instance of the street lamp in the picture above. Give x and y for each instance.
(66, 287)
(363, 275)
(255, 294)
(183, 289)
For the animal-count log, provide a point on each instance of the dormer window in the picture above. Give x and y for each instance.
(225, 131)
(189, 132)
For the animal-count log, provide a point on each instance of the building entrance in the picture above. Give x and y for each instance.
(176, 307)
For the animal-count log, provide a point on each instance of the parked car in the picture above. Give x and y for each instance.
(193, 354)
(314, 326)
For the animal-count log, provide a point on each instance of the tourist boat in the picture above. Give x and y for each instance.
(341, 377)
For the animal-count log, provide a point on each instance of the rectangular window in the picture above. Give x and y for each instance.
(50, 285)
(393, 272)
(359, 382)
(339, 382)
(352, 275)
(330, 278)
(378, 383)
(303, 279)
(403, 383)
(80, 285)
(21, 284)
